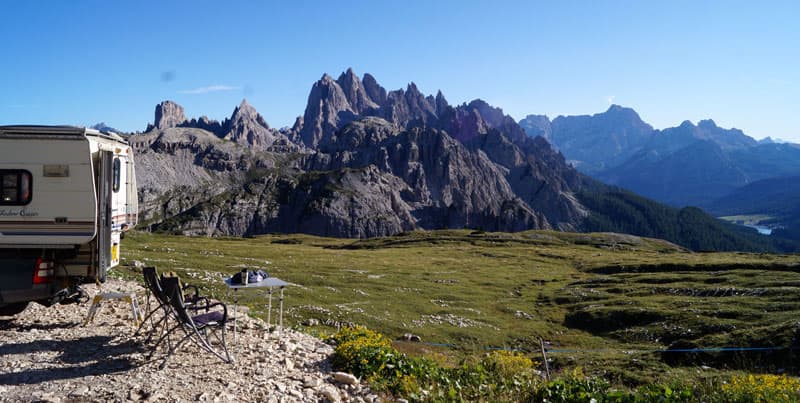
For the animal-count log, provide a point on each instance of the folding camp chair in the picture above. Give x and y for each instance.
(196, 328)
(153, 285)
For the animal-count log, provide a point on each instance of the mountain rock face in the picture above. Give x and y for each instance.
(597, 142)
(168, 114)
(538, 125)
(356, 93)
(374, 91)
(248, 127)
(332, 104)
(446, 185)
(206, 124)
(684, 165)
(245, 126)
(178, 168)
(360, 162)
(327, 109)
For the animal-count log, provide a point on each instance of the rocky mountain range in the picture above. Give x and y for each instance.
(361, 162)
(684, 165)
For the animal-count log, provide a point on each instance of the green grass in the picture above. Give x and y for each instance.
(605, 301)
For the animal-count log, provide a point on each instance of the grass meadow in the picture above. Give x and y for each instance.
(610, 304)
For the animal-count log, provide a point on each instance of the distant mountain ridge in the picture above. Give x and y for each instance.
(777, 199)
(362, 162)
(684, 165)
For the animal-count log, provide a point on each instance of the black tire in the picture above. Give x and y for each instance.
(13, 309)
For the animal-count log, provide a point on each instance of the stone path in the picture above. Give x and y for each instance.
(47, 355)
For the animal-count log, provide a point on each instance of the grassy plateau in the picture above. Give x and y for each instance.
(611, 304)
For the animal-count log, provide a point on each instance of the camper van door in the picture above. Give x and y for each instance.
(104, 192)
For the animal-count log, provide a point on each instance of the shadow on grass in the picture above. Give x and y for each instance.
(87, 356)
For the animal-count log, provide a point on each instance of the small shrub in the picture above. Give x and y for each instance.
(665, 394)
(361, 351)
(498, 376)
(573, 388)
(407, 385)
(507, 364)
(762, 388)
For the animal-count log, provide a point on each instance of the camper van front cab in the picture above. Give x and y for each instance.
(66, 196)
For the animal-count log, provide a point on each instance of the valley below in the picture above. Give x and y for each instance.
(633, 310)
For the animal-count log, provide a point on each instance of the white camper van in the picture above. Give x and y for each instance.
(67, 194)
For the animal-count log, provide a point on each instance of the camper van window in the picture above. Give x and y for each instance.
(15, 187)
(116, 174)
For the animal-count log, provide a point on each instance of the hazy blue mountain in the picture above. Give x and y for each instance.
(701, 171)
(538, 125)
(684, 165)
(597, 142)
(776, 198)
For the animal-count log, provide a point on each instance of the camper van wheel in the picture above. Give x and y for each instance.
(13, 309)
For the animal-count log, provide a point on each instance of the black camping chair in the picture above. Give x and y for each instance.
(153, 284)
(196, 328)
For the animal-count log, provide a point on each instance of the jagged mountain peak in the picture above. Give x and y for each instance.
(619, 108)
(348, 75)
(244, 109)
(298, 124)
(623, 112)
(332, 104)
(441, 103)
(328, 108)
(537, 126)
(374, 90)
(167, 114)
(592, 142)
(246, 112)
(537, 117)
(707, 124)
(493, 116)
(355, 92)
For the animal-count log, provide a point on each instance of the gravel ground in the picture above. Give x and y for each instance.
(46, 354)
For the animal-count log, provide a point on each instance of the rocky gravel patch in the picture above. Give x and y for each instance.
(46, 354)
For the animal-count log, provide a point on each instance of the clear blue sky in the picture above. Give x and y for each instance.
(82, 62)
